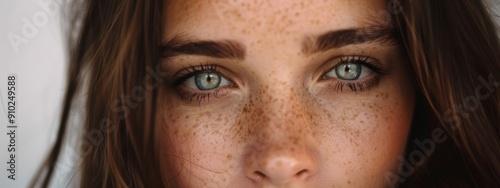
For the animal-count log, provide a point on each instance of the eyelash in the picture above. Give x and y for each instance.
(200, 96)
(356, 86)
(339, 85)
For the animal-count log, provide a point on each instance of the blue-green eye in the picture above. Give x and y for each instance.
(206, 81)
(349, 71)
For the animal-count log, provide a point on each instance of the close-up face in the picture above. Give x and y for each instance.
(295, 93)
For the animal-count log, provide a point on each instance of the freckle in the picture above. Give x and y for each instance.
(349, 182)
(386, 96)
(258, 23)
(218, 119)
(356, 115)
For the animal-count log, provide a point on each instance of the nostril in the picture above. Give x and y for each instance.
(282, 169)
(301, 174)
(258, 176)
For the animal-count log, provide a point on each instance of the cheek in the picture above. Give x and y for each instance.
(363, 136)
(358, 136)
(198, 145)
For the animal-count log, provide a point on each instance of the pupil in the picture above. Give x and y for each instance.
(347, 68)
(349, 71)
(207, 81)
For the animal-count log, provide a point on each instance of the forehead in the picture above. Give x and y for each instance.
(273, 18)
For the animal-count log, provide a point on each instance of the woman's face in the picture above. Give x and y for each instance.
(306, 93)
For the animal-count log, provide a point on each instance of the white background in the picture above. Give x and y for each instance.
(39, 64)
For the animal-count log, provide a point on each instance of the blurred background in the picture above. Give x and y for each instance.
(32, 48)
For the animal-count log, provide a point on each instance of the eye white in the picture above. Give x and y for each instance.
(349, 71)
(207, 81)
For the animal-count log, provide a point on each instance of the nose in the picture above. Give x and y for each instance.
(283, 169)
(282, 150)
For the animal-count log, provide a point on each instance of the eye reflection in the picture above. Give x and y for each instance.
(206, 81)
(349, 71)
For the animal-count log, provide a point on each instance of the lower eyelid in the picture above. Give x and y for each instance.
(200, 96)
(357, 85)
(335, 84)
(190, 94)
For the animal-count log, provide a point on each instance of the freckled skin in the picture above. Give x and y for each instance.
(281, 126)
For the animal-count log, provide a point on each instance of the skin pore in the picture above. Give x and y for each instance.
(295, 93)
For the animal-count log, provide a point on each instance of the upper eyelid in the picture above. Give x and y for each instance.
(191, 70)
(336, 61)
(182, 75)
(344, 59)
(370, 62)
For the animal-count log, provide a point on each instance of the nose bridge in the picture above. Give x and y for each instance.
(281, 149)
(282, 104)
(281, 114)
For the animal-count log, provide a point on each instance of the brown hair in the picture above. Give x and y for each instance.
(453, 50)
(116, 42)
(451, 46)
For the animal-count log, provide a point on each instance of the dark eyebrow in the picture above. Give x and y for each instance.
(341, 38)
(235, 50)
(218, 49)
